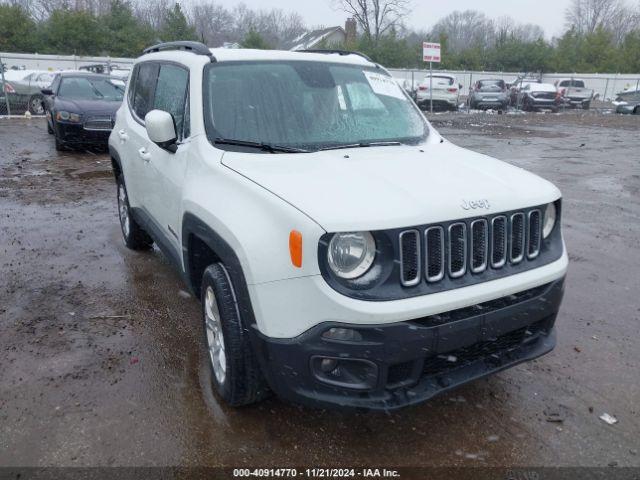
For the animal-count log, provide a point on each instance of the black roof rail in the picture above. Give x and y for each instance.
(336, 51)
(195, 47)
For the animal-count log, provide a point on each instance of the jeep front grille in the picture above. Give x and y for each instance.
(434, 253)
(516, 252)
(410, 257)
(499, 241)
(457, 249)
(534, 234)
(468, 247)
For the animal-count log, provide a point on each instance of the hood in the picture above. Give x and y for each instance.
(87, 107)
(392, 187)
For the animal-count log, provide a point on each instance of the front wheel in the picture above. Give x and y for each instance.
(134, 236)
(236, 374)
(35, 105)
(586, 105)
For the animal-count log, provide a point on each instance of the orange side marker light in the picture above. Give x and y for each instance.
(295, 248)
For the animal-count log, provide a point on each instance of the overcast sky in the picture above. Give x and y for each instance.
(549, 14)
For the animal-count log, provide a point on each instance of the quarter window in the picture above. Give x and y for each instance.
(171, 92)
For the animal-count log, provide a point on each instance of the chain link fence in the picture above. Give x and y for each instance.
(25, 75)
(606, 86)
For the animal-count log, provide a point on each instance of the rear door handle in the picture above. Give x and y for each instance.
(123, 136)
(144, 155)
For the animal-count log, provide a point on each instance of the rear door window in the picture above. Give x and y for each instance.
(171, 92)
(144, 87)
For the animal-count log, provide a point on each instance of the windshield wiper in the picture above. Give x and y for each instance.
(362, 145)
(267, 147)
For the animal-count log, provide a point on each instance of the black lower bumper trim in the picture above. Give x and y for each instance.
(416, 359)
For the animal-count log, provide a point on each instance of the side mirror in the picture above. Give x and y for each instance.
(161, 129)
(460, 86)
(47, 91)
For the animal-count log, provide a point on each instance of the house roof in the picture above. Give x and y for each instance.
(310, 39)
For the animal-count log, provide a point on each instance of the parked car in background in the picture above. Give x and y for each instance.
(23, 87)
(534, 96)
(108, 69)
(574, 92)
(490, 93)
(81, 108)
(446, 92)
(628, 101)
(516, 86)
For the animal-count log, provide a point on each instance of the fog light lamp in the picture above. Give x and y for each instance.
(354, 373)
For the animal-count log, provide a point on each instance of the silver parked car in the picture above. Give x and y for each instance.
(490, 93)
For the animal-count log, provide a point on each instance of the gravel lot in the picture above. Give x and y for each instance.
(103, 363)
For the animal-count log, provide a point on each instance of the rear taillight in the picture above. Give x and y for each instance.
(452, 90)
(423, 87)
(8, 88)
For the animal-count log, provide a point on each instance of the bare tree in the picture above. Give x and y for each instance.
(465, 29)
(375, 17)
(507, 27)
(586, 16)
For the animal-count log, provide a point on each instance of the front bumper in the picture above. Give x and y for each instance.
(76, 134)
(411, 361)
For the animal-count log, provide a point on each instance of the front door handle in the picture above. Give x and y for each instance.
(144, 155)
(123, 136)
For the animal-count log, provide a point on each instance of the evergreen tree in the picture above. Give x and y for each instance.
(176, 26)
(254, 40)
(17, 30)
(72, 32)
(126, 37)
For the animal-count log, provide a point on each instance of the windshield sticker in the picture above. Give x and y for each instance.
(383, 85)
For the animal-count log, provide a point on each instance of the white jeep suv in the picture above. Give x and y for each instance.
(344, 253)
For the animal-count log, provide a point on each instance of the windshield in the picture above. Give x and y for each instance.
(572, 83)
(307, 105)
(491, 85)
(83, 88)
(438, 80)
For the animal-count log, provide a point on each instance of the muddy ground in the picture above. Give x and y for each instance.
(102, 359)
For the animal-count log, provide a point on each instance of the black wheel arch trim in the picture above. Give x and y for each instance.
(194, 226)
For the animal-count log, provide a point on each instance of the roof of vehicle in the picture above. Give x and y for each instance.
(20, 74)
(245, 54)
(78, 73)
(541, 87)
(437, 74)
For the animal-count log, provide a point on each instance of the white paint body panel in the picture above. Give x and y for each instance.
(293, 306)
(254, 200)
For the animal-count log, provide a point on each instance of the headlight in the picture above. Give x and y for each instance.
(549, 220)
(67, 117)
(351, 254)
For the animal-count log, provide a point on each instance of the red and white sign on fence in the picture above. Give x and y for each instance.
(431, 52)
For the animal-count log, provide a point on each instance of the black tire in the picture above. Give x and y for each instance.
(242, 382)
(586, 106)
(49, 129)
(35, 105)
(133, 234)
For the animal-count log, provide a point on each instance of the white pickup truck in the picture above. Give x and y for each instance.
(574, 92)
